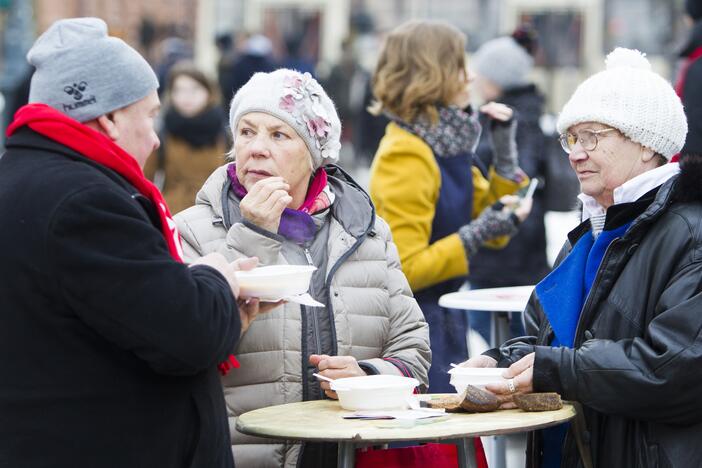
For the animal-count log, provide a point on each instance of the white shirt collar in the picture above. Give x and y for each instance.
(631, 190)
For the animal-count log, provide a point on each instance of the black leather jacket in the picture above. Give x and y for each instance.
(635, 364)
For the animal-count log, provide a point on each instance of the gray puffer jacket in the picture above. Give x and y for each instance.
(370, 313)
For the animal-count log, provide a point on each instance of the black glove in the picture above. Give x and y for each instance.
(503, 138)
(492, 222)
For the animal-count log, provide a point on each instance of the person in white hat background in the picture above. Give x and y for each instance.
(109, 343)
(283, 200)
(616, 325)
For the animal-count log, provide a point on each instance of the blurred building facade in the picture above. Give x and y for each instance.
(125, 17)
(575, 34)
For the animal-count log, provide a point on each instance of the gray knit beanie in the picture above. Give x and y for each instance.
(504, 62)
(84, 73)
(299, 101)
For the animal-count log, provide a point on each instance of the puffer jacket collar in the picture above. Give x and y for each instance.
(352, 208)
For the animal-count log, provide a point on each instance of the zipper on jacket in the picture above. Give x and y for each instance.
(312, 313)
(308, 256)
(315, 329)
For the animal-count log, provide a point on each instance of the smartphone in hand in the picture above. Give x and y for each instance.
(527, 192)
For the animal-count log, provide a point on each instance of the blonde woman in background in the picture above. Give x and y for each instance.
(425, 181)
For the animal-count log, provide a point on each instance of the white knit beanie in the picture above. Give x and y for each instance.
(299, 101)
(630, 97)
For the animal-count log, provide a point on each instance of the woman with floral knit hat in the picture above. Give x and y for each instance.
(617, 324)
(283, 201)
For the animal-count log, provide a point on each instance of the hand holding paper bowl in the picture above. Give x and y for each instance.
(278, 282)
(249, 305)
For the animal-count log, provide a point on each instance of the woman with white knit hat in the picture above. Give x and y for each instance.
(282, 200)
(617, 325)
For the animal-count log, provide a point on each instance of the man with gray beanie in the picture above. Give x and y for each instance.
(616, 325)
(110, 344)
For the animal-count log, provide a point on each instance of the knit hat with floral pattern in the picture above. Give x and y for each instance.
(298, 100)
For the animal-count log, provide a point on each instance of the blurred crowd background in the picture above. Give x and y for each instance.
(226, 41)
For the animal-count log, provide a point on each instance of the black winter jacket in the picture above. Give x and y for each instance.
(635, 364)
(108, 347)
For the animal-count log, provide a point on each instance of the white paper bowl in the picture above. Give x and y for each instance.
(374, 392)
(461, 377)
(275, 282)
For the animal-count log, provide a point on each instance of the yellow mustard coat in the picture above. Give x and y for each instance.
(404, 185)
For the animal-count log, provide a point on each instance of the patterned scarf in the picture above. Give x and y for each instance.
(457, 131)
(298, 225)
(99, 148)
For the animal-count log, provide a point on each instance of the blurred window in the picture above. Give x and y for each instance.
(560, 37)
(646, 25)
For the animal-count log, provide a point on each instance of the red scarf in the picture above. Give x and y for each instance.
(99, 148)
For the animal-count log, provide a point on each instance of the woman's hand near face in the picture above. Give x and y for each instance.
(265, 202)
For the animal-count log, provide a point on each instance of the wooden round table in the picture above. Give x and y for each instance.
(322, 421)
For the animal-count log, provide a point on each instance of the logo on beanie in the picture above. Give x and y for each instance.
(76, 90)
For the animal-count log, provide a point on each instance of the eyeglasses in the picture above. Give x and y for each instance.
(586, 137)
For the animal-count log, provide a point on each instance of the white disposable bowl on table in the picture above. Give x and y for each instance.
(275, 282)
(461, 377)
(374, 392)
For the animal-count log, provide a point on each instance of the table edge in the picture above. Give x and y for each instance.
(360, 439)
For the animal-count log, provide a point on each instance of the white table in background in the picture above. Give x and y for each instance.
(501, 302)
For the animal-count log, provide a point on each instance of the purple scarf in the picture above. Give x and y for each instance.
(296, 226)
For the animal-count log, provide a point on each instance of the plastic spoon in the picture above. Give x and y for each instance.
(321, 377)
